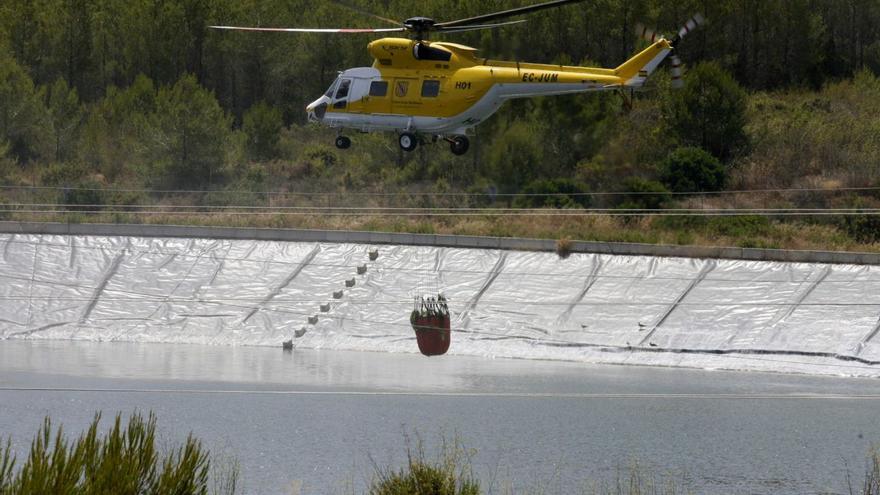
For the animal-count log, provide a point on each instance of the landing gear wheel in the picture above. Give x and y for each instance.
(343, 142)
(408, 141)
(459, 145)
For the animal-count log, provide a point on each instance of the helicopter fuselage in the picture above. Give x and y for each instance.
(444, 89)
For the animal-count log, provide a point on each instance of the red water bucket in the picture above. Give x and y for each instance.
(432, 334)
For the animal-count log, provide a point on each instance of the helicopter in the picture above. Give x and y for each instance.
(420, 89)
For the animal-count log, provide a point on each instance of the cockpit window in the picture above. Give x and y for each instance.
(422, 51)
(332, 87)
(342, 91)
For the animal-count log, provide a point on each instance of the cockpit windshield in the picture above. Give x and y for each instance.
(332, 88)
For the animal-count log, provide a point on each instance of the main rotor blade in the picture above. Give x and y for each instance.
(506, 13)
(313, 30)
(461, 29)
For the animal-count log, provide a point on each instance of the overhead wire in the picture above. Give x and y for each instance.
(542, 212)
(79, 208)
(441, 194)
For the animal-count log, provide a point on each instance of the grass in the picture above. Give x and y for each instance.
(124, 460)
(450, 474)
(871, 485)
(745, 231)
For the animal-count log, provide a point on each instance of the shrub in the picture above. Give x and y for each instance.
(862, 228)
(553, 193)
(740, 226)
(64, 174)
(449, 475)
(86, 195)
(563, 247)
(123, 460)
(648, 194)
(692, 169)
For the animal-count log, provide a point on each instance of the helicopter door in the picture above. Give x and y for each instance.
(340, 99)
(405, 95)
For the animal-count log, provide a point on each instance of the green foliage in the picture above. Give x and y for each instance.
(574, 126)
(806, 138)
(553, 193)
(115, 134)
(262, 125)
(64, 174)
(125, 459)
(691, 170)
(7, 164)
(86, 195)
(188, 133)
(22, 113)
(448, 475)
(747, 230)
(65, 115)
(862, 228)
(516, 157)
(646, 194)
(743, 226)
(709, 112)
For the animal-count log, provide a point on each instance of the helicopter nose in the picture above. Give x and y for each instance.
(316, 110)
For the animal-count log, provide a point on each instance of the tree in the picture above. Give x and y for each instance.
(188, 133)
(116, 129)
(692, 169)
(22, 114)
(709, 112)
(515, 158)
(65, 115)
(262, 125)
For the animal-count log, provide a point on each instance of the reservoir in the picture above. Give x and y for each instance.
(310, 421)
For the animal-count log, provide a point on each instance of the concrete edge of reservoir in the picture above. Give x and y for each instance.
(437, 240)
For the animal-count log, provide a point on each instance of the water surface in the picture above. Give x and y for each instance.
(313, 419)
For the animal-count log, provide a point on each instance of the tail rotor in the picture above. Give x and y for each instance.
(693, 23)
(652, 36)
(676, 73)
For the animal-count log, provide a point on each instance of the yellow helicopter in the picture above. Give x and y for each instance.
(419, 88)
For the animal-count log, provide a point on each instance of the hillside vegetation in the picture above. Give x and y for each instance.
(105, 104)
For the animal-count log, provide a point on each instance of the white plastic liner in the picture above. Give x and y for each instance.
(745, 315)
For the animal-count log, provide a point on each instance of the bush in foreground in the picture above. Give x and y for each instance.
(124, 460)
(692, 170)
(449, 475)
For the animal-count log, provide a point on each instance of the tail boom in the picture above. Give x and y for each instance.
(636, 70)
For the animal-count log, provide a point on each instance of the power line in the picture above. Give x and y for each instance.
(445, 194)
(96, 208)
(564, 213)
